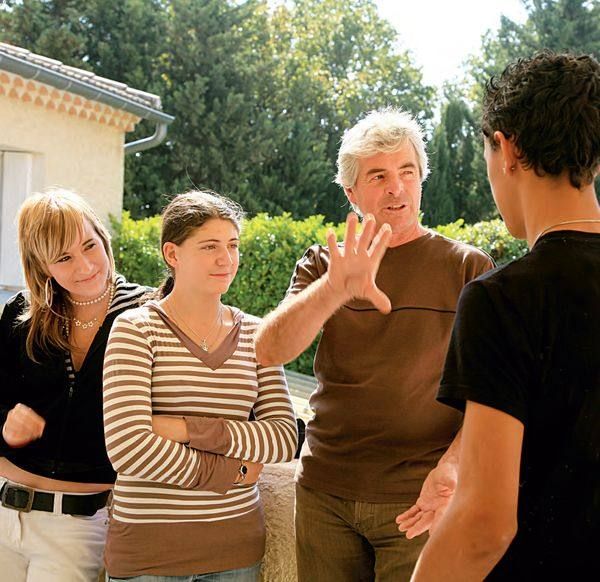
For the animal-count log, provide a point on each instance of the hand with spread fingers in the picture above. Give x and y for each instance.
(22, 426)
(436, 494)
(353, 268)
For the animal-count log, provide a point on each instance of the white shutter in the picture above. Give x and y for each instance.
(15, 185)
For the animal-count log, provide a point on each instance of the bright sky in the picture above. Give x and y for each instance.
(441, 33)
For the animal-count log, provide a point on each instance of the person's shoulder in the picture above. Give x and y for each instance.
(17, 303)
(520, 271)
(128, 294)
(312, 265)
(249, 322)
(316, 253)
(506, 284)
(247, 318)
(462, 251)
(140, 316)
(14, 307)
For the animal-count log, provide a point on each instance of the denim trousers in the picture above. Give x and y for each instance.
(249, 574)
(341, 540)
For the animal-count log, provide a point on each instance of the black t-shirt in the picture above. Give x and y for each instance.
(526, 341)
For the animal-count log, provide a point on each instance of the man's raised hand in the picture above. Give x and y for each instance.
(352, 270)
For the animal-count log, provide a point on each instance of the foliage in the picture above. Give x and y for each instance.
(261, 90)
(136, 247)
(451, 191)
(270, 247)
(491, 237)
(461, 189)
(559, 25)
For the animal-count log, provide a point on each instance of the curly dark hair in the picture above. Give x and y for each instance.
(550, 105)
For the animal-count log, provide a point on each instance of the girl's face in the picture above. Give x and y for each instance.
(208, 260)
(83, 269)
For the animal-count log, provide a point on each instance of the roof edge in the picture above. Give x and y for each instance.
(57, 80)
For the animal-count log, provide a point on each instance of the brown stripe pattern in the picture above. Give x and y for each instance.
(147, 370)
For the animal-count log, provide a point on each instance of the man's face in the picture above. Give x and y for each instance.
(388, 186)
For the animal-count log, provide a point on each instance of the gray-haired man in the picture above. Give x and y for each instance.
(386, 304)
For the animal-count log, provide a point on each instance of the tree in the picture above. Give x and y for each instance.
(261, 92)
(559, 25)
(123, 41)
(338, 60)
(450, 193)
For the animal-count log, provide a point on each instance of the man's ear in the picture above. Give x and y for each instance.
(170, 254)
(350, 195)
(509, 150)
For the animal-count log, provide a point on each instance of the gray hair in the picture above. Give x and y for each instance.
(381, 131)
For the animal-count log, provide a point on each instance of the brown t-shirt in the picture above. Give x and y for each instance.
(377, 429)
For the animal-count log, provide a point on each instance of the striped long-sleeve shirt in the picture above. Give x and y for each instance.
(151, 367)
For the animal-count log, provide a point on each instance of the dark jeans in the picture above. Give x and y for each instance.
(340, 540)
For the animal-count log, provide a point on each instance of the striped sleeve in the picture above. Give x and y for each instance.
(132, 447)
(271, 438)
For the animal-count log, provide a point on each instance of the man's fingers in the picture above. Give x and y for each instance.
(408, 514)
(408, 524)
(380, 242)
(334, 251)
(421, 526)
(350, 236)
(366, 237)
(379, 299)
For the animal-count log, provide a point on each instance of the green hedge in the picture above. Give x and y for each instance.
(136, 246)
(490, 236)
(269, 249)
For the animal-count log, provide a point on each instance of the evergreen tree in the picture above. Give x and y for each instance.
(261, 92)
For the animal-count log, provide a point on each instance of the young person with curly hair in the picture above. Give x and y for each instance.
(524, 360)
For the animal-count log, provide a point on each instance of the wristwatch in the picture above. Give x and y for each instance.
(242, 472)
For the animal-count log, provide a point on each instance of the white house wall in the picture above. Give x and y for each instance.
(84, 156)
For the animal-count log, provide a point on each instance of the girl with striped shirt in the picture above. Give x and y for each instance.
(180, 383)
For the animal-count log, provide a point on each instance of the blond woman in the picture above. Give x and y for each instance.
(55, 477)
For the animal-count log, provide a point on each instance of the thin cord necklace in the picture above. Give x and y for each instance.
(91, 322)
(204, 344)
(582, 220)
(91, 301)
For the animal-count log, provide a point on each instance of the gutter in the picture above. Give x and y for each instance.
(65, 83)
(160, 132)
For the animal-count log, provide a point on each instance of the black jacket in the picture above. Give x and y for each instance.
(72, 445)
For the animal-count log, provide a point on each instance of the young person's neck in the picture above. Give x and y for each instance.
(195, 306)
(548, 202)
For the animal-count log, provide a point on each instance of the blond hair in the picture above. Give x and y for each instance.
(48, 224)
(381, 131)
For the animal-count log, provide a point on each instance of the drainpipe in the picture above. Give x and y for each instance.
(147, 142)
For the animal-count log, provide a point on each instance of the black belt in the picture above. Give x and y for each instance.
(25, 499)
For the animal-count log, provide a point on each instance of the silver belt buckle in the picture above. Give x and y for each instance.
(18, 490)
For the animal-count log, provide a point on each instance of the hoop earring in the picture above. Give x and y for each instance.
(48, 292)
